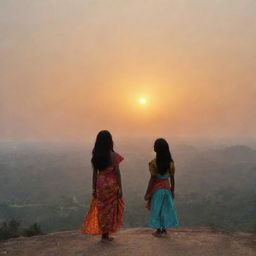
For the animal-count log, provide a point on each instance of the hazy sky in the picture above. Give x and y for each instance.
(69, 68)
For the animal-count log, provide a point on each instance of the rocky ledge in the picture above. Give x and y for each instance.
(135, 242)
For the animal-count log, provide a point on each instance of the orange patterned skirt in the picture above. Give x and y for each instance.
(106, 209)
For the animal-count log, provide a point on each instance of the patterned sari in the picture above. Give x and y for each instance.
(161, 205)
(160, 202)
(158, 183)
(106, 209)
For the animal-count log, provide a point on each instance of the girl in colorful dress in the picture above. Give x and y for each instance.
(105, 215)
(160, 193)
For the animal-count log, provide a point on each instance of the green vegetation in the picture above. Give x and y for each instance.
(50, 184)
(12, 229)
(33, 230)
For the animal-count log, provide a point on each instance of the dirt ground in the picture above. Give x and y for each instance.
(135, 242)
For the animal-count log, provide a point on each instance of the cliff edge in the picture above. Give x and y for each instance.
(135, 242)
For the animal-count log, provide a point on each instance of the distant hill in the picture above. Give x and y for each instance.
(50, 184)
(240, 152)
(135, 242)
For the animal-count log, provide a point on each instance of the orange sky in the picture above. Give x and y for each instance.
(70, 68)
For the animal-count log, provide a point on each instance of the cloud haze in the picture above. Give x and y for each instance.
(69, 68)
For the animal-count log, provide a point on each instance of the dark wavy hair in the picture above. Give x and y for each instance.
(101, 153)
(163, 155)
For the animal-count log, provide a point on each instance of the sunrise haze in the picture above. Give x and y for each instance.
(71, 68)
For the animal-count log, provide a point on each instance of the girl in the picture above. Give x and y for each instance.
(160, 194)
(105, 215)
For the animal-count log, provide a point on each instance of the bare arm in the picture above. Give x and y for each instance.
(119, 181)
(150, 184)
(172, 185)
(94, 181)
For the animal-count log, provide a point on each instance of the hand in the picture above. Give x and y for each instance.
(120, 194)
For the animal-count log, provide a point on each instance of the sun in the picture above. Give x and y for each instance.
(143, 101)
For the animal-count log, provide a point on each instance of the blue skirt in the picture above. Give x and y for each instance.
(162, 210)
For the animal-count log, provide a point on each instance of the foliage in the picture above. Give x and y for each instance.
(33, 230)
(12, 229)
(51, 185)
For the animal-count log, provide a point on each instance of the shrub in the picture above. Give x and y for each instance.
(10, 229)
(33, 230)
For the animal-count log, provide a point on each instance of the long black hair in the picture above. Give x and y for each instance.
(101, 153)
(163, 155)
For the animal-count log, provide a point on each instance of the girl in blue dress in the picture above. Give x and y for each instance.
(160, 191)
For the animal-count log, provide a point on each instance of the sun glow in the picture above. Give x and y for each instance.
(143, 101)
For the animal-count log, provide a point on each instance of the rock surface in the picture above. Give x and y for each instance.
(135, 242)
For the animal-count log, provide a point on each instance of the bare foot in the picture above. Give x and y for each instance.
(157, 234)
(107, 238)
(164, 232)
